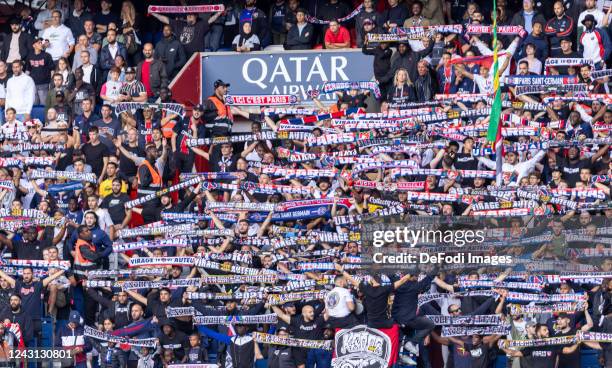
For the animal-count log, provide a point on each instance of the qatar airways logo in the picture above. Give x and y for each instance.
(294, 75)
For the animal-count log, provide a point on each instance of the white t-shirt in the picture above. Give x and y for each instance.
(335, 301)
(60, 39)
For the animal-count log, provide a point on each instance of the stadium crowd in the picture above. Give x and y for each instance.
(140, 232)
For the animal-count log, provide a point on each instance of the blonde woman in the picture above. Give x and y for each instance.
(402, 92)
(130, 27)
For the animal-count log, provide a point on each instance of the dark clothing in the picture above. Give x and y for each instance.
(30, 250)
(556, 28)
(542, 357)
(569, 360)
(541, 44)
(107, 61)
(25, 46)
(329, 11)
(40, 67)
(127, 166)
(104, 19)
(25, 323)
(399, 97)
(281, 357)
(297, 40)
(158, 78)
(84, 92)
(94, 156)
(406, 299)
(76, 24)
(171, 53)
(480, 355)
(312, 330)
(31, 297)
(397, 15)
(519, 19)
(375, 303)
(190, 36)
(408, 60)
(177, 343)
(382, 59)
(115, 206)
(95, 78)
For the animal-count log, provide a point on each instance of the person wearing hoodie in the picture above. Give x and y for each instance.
(171, 52)
(72, 337)
(246, 40)
(173, 339)
(408, 59)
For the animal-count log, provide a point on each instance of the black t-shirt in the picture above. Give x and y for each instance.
(569, 360)
(31, 296)
(190, 36)
(127, 166)
(94, 156)
(375, 302)
(571, 171)
(178, 343)
(479, 354)
(312, 330)
(543, 356)
(115, 207)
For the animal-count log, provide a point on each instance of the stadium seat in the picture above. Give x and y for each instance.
(47, 333)
(38, 112)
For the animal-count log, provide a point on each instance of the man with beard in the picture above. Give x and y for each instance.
(17, 315)
(16, 45)
(173, 339)
(29, 292)
(594, 42)
(114, 204)
(157, 302)
(565, 327)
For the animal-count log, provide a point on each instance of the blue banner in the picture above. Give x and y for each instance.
(284, 72)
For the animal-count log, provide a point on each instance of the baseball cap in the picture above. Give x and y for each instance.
(37, 39)
(531, 323)
(14, 20)
(219, 83)
(130, 70)
(565, 39)
(199, 107)
(59, 93)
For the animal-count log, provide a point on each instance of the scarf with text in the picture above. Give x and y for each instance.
(487, 319)
(104, 336)
(160, 261)
(265, 338)
(257, 100)
(52, 174)
(476, 29)
(236, 319)
(468, 331)
(122, 247)
(517, 309)
(169, 108)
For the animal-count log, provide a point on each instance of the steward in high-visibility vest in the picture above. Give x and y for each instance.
(217, 115)
(85, 256)
(148, 176)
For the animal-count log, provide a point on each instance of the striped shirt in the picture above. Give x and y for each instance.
(133, 89)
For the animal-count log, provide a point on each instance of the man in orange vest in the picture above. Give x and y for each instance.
(217, 115)
(148, 175)
(85, 255)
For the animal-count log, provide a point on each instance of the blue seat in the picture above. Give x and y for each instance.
(38, 112)
(47, 333)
